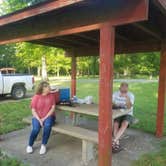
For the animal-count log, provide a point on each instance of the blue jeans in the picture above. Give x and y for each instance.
(47, 125)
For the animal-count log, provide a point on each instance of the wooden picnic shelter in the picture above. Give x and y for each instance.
(92, 28)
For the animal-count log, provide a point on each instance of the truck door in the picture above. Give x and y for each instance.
(1, 84)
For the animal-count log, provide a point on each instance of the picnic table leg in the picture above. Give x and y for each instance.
(74, 120)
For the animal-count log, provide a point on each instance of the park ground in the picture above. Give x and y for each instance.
(145, 110)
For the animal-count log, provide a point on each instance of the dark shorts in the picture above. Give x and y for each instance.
(128, 118)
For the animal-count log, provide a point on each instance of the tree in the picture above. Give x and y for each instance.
(7, 55)
(49, 59)
(9, 6)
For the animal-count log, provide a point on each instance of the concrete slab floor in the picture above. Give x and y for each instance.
(66, 151)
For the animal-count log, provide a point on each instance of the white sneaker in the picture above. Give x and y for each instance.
(42, 149)
(29, 149)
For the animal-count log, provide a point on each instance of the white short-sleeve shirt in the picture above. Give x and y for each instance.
(117, 99)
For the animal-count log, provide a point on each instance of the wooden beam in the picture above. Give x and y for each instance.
(75, 42)
(87, 37)
(107, 42)
(161, 4)
(51, 44)
(36, 10)
(53, 34)
(122, 37)
(121, 48)
(136, 47)
(149, 30)
(73, 75)
(129, 13)
(137, 11)
(161, 93)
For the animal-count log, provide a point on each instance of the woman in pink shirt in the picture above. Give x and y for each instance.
(43, 111)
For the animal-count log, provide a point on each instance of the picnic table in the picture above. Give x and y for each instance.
(90, 109)
(89, 137)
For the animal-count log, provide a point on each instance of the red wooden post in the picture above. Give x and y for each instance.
(73, 76)
(161, 93)
(107, 41)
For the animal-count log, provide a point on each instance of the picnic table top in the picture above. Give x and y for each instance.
(91, 109)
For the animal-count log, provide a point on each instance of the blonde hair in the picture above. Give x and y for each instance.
(43, 84)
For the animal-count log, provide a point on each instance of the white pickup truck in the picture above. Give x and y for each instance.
(15, 84)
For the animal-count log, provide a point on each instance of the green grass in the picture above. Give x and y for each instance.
(153, 159)
(6, 161)
(11, 115)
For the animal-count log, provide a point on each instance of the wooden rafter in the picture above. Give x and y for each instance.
(72, 41)
(149, 30)
(127, 47)
(87, 37)
(122, 37)
(51, 44)
(161, 4)
(53, 34)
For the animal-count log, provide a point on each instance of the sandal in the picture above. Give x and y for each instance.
(116, 148)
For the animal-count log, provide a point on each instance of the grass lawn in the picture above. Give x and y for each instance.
(11, 115)
(153, 159)
(6, 161)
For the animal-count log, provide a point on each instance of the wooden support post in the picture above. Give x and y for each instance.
(161, 93)
(73, 76)
(107, 41)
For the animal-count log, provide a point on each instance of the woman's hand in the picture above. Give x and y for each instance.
(37, 117)
(43, 119)
(41, 122)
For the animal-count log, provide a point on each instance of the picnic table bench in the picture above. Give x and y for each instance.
(89, 137)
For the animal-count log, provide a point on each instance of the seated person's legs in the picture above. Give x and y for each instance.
(48, 123)
(35, 131)
(125, 122)
(120, 126)
(116, 126)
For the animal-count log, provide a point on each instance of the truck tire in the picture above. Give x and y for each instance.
(18, 92)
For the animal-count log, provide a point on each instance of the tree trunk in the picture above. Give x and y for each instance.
(29, 70)
(58, 70)
(39, 71)
(44, 69)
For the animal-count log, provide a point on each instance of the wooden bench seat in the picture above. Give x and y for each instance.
(77, 132)
(89, 138)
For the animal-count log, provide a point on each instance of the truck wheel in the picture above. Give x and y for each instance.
(18, 92)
